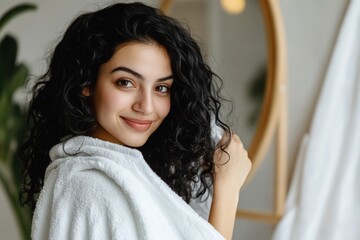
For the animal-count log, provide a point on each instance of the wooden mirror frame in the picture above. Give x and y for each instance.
(272, 122)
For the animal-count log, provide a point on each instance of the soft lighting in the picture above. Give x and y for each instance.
(233, 6)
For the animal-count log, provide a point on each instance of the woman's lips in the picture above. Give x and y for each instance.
(138, 124)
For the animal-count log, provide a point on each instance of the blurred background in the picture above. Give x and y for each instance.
(235, 47)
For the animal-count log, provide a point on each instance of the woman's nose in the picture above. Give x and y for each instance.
(144, 102)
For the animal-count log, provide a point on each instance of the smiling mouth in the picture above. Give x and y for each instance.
(137, 124)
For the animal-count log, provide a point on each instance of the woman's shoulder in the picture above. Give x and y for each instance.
(84, 188)
(92, 183)
(84, 179)
(90, 200)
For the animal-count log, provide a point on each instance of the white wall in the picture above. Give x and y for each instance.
(311, 27)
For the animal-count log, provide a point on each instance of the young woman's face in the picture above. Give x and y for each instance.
(132, 94)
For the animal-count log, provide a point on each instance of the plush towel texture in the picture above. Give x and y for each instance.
(99, 190)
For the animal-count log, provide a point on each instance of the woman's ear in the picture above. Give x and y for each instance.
(86, 91)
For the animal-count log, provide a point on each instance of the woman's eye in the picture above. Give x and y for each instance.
(124, 83)
(163, 89)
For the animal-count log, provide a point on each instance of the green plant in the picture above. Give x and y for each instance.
(256, 92)
(12, 120)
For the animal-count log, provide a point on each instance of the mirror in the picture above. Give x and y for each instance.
(248, 51)
(235, 47)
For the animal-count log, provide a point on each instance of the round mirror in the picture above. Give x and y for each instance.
(246, 50)
(235, 47)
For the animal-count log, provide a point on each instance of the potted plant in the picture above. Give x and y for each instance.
(12, 120)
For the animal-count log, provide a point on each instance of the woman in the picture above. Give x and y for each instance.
(123, 133)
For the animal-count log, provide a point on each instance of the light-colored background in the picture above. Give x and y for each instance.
(311, 28)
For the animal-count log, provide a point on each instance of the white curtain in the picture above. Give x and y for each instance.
(324, 198)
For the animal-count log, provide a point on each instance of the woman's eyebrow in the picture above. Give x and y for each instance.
(165, 78)
(128, 70)
(136, 74)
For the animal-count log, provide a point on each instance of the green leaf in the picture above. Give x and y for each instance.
(15, 11)
(5, 101)
(17, 165)
(17, 80)
(8, 52)
(14, 130)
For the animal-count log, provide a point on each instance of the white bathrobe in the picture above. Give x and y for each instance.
(107, 191)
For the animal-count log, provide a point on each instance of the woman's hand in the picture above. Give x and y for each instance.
(232, 168)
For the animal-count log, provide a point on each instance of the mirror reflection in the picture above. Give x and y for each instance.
(235, 46)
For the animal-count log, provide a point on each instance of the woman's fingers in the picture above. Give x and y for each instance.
(233, 166)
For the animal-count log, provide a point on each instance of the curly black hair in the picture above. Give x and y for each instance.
(180, 151)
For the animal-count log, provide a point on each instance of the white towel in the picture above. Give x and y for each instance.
(324, 198)
(107, 191)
